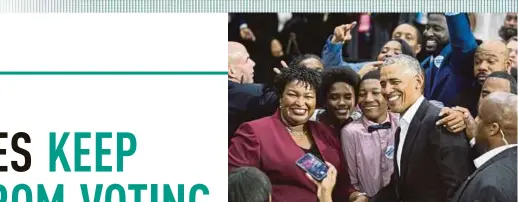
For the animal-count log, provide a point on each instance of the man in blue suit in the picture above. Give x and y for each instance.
(449, 68)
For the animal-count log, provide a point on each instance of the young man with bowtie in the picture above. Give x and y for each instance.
(368, 142)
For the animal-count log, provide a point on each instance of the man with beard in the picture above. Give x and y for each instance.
(495, 177)
(450, 44)
(508, 29)
(490, 56)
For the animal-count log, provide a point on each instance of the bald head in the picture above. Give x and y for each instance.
(491, 56)
(498, 111)
(493, 45)
(235, 50)
(240, 66)
(500, 107)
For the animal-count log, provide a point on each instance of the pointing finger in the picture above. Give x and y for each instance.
(277, 70)
(349, 26)
(284, 64)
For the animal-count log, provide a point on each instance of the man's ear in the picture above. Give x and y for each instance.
(418, 49)
(231, 71)
(494, 129)
(508, 64)
(420, 81)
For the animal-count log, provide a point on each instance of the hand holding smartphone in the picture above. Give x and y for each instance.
(313, 166)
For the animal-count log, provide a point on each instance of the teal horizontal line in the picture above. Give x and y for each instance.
(121, 73)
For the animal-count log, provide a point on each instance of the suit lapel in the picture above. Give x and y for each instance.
(506, 153)
(293, 151)
(443, 72)
(428, 76)
(411, 135)
(396, 141)
(321, 146)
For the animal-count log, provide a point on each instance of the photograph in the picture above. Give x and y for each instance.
(400, 106)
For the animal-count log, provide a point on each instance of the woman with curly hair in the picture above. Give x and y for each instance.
(338, 95)
(274, 143)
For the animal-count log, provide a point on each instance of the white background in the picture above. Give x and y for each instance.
(180, 122)
(100, 42)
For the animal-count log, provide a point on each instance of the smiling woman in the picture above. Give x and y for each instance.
(275, 143)
(339, 95)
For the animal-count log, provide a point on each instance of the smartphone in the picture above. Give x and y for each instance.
(314, 166)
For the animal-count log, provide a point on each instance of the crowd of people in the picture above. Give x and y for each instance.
(433, 117)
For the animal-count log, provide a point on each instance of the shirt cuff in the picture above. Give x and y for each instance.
(472, 142)
(334, 47)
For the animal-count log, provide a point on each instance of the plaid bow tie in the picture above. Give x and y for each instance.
(385, 125)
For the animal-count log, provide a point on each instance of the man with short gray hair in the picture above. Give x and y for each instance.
(430, 163)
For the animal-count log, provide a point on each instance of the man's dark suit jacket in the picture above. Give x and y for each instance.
(247, 102)
(494, 181)
(434, 162)
(239, 95)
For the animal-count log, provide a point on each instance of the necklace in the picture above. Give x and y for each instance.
(296, 135)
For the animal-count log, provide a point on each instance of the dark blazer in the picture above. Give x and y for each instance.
(239, 95)
(434, 161)
(266, 144)
(494, 181)
(247, 102)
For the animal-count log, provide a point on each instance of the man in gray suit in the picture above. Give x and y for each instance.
(495, 177)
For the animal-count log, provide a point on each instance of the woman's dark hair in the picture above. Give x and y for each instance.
(297, 72)
(248, 184)
(333, 75)
(405, 48)
(298, 60)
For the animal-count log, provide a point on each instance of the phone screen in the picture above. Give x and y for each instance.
(314, 166)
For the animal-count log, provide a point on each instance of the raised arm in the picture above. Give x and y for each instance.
(332, 51)
(332, 54)
(463, 43)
